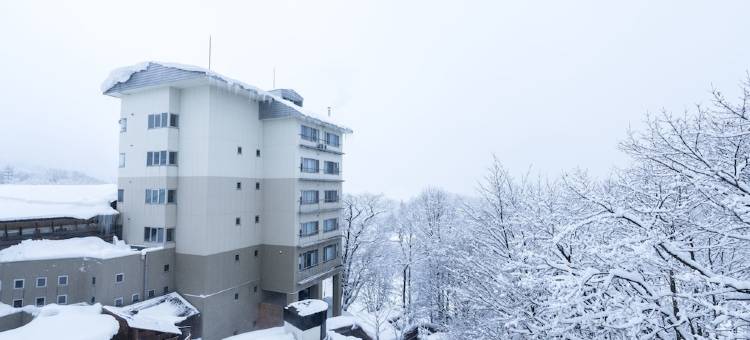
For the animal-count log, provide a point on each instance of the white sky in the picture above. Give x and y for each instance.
(432, 89)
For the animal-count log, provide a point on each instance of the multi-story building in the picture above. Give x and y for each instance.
(243, 184)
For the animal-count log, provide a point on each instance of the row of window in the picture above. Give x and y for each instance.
(163, 157)
(160, 196)
(313, 135)
(311, 165)
(156, 234)
(312, 196)
(63, 298)
(310, 259)
(162, 120)
(41, 282)
(41, 301)
(311, 228)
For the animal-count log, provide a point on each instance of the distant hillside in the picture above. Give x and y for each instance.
(10, 174)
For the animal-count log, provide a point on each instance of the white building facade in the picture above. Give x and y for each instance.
(244, 185)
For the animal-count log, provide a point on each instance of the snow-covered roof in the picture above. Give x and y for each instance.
(276, 333)
(24, 202)
(123, 75)
(308, 307)
(74, 322)
(161, 314)
(92, 247)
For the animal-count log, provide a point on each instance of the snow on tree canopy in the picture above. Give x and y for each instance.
(123, 74)
(92, 247)
(24, 202)
(308, 307)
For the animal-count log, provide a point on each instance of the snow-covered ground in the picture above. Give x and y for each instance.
(92, 247)
(71, 322)
(19, 202)
(276, 333)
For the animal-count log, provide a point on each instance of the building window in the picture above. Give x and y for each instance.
(171, 196)
(236, 296)
(151, 293)
(123, 124)
(170, 235)
(332, 196)
(155, 196)
(166, 267)
(165, 290)
(135, 298)
(93, 280)
(120, 195)
(119, 277)
(331, 168)
(158, 158)
(332, 139)
(237, 221)
(309, 165)
(257, 185)
(255, 289)
(329, 253)
(257, 153)
(309, 133)
(309, 197)
(239, 150)
(93, 299)
(330, 224)
(122, 160)
(41, 282)
(40, 301)
(161, 120)
(118, 302)
(18, 283)
(62, 299)
(308, 228)
(257, 218)
(62, 280)
(18, 303)
(308, 259)
(237, 257)
(239, 186)
(255, 253)
(153, 234)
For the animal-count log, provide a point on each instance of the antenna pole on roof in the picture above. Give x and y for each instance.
(209, 52)
(274, 77)
(329, 111)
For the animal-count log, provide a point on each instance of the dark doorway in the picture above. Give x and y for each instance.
(305, 294)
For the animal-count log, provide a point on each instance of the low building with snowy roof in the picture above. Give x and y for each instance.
(166, 317)
(57, 212)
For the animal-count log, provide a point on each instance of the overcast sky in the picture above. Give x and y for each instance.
(431, 89)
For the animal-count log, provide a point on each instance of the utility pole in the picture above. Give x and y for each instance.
(209, 52)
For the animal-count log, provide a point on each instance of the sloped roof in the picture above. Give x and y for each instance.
(161, 314)
(24, 202)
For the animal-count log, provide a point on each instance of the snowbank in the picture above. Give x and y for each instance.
(74, 322)
(123, 74)
(92, 247)
(160, 314)
(23, 202)
(276, 333)
(309, 307)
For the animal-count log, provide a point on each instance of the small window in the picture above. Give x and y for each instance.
(41, 282)
(173, 158)
(166, 290)
(93, 299)
(174, 120)
(151, 293)
(332, 139)
(18, 303)
(41, 301)
(329, 252)
(170, 235)
(257, 218)
(236, 296)
(309, 165)
(237, 221)
(239, 150)
(239, 186)
(123, 124)
(171, 196)
(62, 299)
(118, 302)
(255, 289)
(120, 195)
(166, 267)
(18, 283)
(330, 224)
(93, 280)
(122, 160)
(119, 277)
(257, 185)
(309, 133)
(236, 257)
(331, 196)
(135, 298)
(62, 280)
(257, 153)
(255, 253)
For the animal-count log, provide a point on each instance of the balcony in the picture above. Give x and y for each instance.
(318, 207)
(318, 271)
